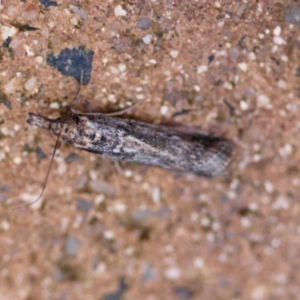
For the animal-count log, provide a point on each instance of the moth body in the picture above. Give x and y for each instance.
(135, 141)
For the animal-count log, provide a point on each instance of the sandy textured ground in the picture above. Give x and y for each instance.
(230, 67)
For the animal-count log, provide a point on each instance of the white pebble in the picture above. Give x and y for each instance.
(281, 203)
(217, 4)
(205, 222)
(62, 168)
(164, 110)
(147, 39)
(74, 21)
(269, 187)
(122, 68)
(257, 157)
(282, 84)
(197, 88)
(10, 87)
(172, 273)
(279, 40)
(2, 156)
(51, 24)
(263, 100)
(8, 32)
(251, 55)
(5, 225)
(199, 263)
(275, 243)
(30, 83)
(244, 105)
(243, 66)
(202, 69)
(174, 53)
(227, 85)
(156, 195)
(286, 150)
(277, 31)
(119, 207)
(54, 105)
(246, 223)
(261, 36)
(39, 59)
(28, 51)
(119, 11)
(99, 199)
(109, 235)
(128, 173)
(152, 61)
(17, 160)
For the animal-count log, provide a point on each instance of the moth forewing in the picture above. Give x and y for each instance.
(139, 142)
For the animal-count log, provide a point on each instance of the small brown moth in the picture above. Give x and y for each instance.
(139, 142)
(135, 141)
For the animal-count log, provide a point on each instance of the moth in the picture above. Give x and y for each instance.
(143, 143)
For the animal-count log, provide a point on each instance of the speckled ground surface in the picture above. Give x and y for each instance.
(230, 67)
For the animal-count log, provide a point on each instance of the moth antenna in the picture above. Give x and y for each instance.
(121, 112)
(46, 179)
(77, 94)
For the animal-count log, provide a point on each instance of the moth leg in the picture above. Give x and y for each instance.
(113, 114)
(118, 167)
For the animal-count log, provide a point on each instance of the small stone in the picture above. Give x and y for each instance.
(30, 83)
(80, 12)
(277, 31)
(269, 187)
(243, 66)
(40, 154)
(119, 11)
(281, 203)
(109, 235)
(233, 53)
(48, 3)
(147, 39)
(84, 205)
(8, 31)
(202, 69)
(17, 160)
(164, 110)
(263, 101)
(172, 273)
(292, 14)
(39, 59)
(174, 53)
(141, 215)
(244, 105)
(31, 12)
(73, 157)
(144, 24)
(156, 195)
(279, 40)
(149, 273)
(286, 150)
(102, 187)
(71, 245)
(152, 61)
(74, 21)
(199, 263)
